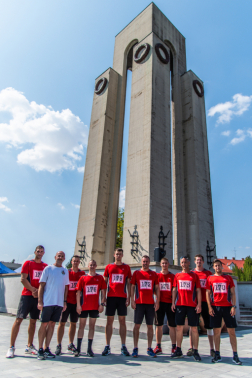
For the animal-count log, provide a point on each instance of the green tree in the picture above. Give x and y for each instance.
(69, 264)
(245, 273)
(119, 230)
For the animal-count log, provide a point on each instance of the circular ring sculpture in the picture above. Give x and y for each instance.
(159, 47)
(198, 87)
(146, 48)
(100, 85)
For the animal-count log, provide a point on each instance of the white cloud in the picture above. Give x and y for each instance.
(247, 247)
(62, 207)
(122, 197)
(29, 257)
(76, 206)
(22, 205)
(226, 133)
(4, 207)
(230, 109)
(240, 137)
(50, 140)
(81, 169)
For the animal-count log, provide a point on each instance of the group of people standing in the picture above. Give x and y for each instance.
(53, 294)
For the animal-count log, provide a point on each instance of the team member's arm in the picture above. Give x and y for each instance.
(132, 290)
(129, 292)
(174, 296)
(233, 299)
(28, 286)
(210, 308)
(198, 307)
(65, 298)
(157, 292)
(40, 295)
(78, 307)
(103, 298)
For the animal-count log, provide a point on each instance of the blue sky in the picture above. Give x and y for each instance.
(51, 53)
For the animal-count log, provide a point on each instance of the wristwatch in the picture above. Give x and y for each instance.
(103, 304)
(234, 306)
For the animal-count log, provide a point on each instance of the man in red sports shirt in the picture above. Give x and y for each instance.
(90, 286)
(117, 276)
(144, 283)
(187, 291)
(30, 275)
(203, 274)
(165, 281)
(74, 275)
(221, 300)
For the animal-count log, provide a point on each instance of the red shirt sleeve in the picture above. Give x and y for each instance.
(129, 273)
(25, 267)
(156, 279)
(175, 281)
(231, 282)
(208, 283)
(197, 282)
(106, 274)
(133, 279)
(79, 285)
(103, 284)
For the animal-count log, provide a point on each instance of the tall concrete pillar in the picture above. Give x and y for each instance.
(148, 202)
(198, 198)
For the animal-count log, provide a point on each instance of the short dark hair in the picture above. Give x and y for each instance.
(39, 247)
(76, 256)
(165, 259)
(146, 257)
(199, 255)
(118, 250)
(184, 257)
(216, 261)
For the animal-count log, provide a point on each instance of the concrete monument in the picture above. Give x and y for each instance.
(167, 148)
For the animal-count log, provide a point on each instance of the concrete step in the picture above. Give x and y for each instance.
(246, 317)
(245, 323)
(244, 312)
(245, 308)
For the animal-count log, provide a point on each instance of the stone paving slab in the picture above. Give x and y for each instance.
(115, 365)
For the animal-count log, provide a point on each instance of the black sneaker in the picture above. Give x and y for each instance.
(77, 353)
(90, 353)
(106, 351)
(40, 355)
(217, 358)
(236, 360)
(177, 354)
(58, 350)
(48, 353)
(124, 351)
(71, 348)
(196, 357)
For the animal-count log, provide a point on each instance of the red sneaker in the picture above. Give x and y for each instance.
(173, 350)
(157, 350)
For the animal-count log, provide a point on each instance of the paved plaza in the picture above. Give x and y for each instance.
(116, 365)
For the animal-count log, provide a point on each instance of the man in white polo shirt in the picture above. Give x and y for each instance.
(52, 296)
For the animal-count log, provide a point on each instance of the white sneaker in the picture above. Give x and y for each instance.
(31, 350)
(10, 352)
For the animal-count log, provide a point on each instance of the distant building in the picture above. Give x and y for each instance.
(228, 264)
(11, 265)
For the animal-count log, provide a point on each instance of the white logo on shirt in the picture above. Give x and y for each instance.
(117, 278)
(37, 274)
(165, 286)
(203, 283)
(220, 287)
(72, 285)
(145, 284)
(185, 285)
(91, 289)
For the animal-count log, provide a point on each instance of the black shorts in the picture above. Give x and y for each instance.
(51, 313)
(70, 310)
(144, 310)
(222, 312)
(91, 313)
(182, 312)
(116, 303)
(28, 305)
(165, 309)
(205, 315)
